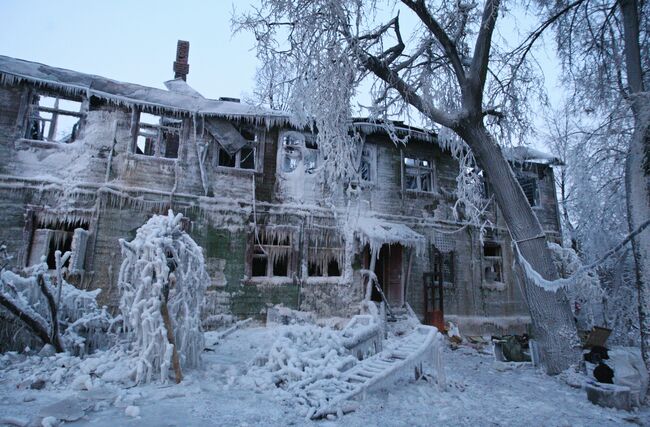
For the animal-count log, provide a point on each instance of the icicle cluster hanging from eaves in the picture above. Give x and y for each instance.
(324, 245)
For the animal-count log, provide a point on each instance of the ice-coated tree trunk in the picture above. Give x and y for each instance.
(637, 172)
(637, 183)
(550, 312)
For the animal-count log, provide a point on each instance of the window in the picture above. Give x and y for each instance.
(272, 253)
(298, 151)
(324, 253)
(443, 268)
(158, 136)
(244, 158)
(418, 175)
(529, 185)
(59, 236)
(492, 262)
(53, 119)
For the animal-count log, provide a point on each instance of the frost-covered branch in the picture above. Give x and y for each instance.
(554, 285)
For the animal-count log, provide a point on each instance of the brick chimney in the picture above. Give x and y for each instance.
(181, 66)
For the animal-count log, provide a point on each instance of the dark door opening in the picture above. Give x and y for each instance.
(388, 269)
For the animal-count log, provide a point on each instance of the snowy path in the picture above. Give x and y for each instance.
(481, 393)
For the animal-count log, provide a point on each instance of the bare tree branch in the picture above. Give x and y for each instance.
(420, 8)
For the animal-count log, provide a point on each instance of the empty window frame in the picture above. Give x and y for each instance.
(245, 158)
(62, 236)
(272, 253)
(368, 164)
(418, 175)
(298, 151)
(53, 119)
(325, 253)
(492, 262)
(158, 136)
(529, 184)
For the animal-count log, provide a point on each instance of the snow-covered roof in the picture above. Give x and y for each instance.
(14, 71)
(369, 126)
(376, 233)
(531, 155)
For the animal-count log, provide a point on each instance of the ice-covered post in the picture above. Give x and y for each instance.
(162, 249)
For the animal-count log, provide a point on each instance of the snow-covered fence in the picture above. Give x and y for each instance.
(163, 270)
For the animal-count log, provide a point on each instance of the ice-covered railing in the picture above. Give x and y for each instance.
(163, 271)
(363, 335)
(418, 352)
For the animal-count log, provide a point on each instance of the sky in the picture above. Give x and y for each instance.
(135, 41)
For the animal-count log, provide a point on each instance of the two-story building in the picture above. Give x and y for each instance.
(85, 161)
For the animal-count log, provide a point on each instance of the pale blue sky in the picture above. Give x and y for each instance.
(133, 41)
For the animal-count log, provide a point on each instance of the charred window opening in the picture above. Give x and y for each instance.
(272, 253)
(529, 186)
(418, 175)
(492, 262)
(366, 168)
(324, 253)
(245, 157)
(298, 152)
(242, 159)
(158, 136)
(64, 236)
(54, 119)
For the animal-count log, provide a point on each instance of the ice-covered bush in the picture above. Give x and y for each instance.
(306, 362)
(81, 325)
(162, 266)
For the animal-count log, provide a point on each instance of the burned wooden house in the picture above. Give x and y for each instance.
(86, 160)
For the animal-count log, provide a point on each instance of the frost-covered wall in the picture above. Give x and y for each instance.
(104, 183)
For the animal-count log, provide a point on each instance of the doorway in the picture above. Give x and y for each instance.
(389, 274)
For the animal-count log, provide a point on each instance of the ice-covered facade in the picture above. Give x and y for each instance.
(85, 161)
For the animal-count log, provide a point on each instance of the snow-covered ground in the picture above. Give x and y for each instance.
(479, 391)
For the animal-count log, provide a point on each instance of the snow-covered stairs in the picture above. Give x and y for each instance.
(400, 358)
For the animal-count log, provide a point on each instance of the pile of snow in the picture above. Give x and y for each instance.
(305, 363)
(162, 263)
(63, 371)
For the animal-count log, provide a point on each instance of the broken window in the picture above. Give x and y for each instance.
(62, 236)
(529, 185)
(243, 158)
(299, 150)
(492, 262)
(53, 119)
(367, 166)
(418, 175)
(158, 136)
(272, 252)
(324, 253)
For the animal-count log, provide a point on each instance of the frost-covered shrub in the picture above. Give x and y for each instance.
(84, 326)
(161, 264)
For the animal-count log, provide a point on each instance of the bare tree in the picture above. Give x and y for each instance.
(605, 48)
(449, 70)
